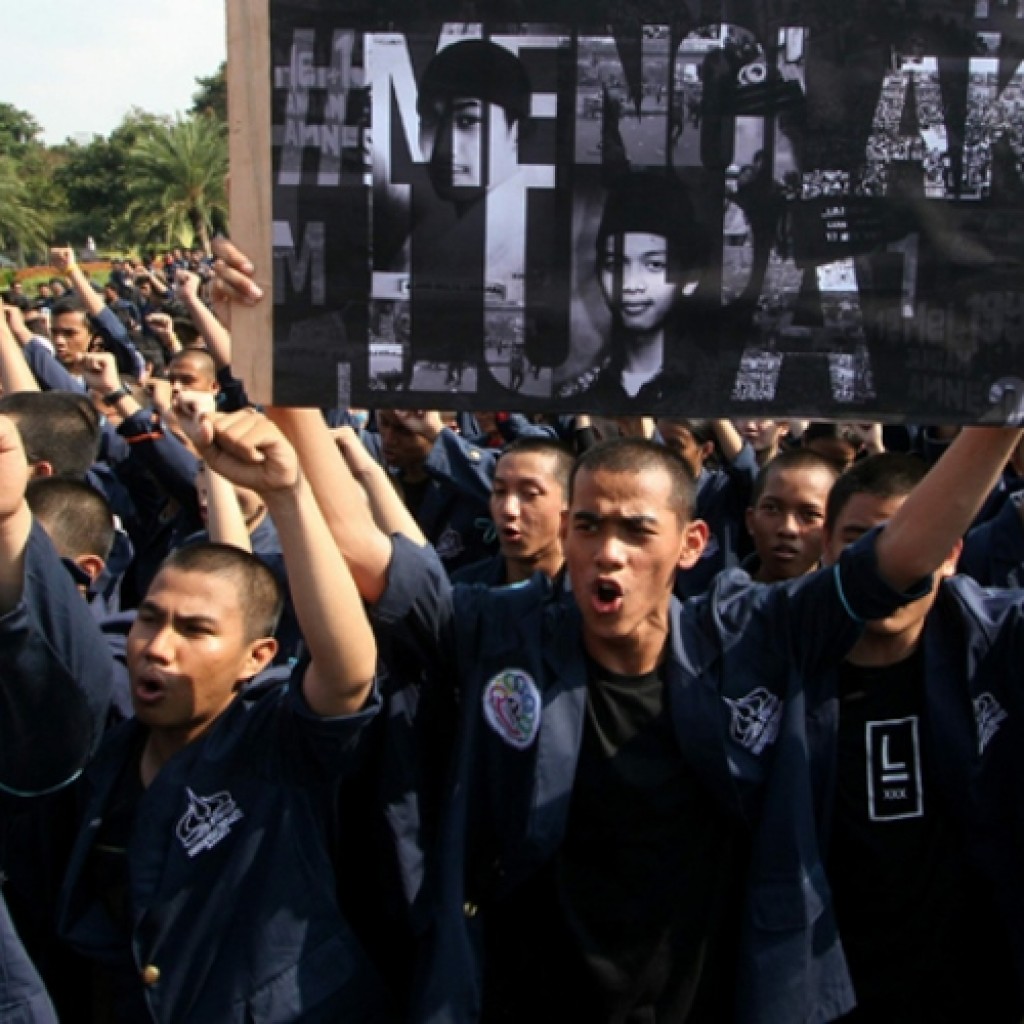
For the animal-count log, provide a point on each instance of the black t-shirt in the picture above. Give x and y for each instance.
(917, 922)
(414, 492)
(635, 919)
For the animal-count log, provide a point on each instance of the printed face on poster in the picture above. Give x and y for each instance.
(816, 212)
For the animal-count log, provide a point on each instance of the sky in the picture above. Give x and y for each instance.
(78, 66)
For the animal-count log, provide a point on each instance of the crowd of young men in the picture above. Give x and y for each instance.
(304, 734)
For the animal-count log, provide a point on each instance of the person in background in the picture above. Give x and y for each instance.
(787, 515)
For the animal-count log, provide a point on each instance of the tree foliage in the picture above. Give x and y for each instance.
(95, 179)
(152, 181)
(27, 205)
(177, 181)
(18, 130)
(212, 95)
(22, 228)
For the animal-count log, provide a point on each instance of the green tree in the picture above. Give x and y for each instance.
(176, 180)
(22, 228)
(27, 202)
(18, 130)
(93, 183)
(212, 94)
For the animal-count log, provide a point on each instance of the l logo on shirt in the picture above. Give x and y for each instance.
(894, 769)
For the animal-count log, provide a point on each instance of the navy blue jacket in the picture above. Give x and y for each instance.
(490, 571)
(993, 552)
(732, 658)
(974, 716)
(454, 514)
(53, 705)
(723, 496)
(231, 881)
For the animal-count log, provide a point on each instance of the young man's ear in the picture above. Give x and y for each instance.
(695, 540)
(261, 653)
(91, 565)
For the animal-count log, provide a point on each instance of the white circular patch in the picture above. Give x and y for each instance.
(512, 707)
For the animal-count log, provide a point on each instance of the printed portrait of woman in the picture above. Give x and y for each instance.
(649, 255)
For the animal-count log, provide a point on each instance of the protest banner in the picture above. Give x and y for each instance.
(805, 208)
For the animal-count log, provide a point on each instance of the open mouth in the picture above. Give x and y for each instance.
(607, 596)
(148, 691)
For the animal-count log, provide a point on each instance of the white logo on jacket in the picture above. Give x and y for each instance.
(755, 719)
(207, 821)
(449, 545)
(989, 716)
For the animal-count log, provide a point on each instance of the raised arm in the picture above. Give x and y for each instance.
(216, 336)
(390, 513)
(730, 444)
(103, 320)
(246, 448)
(365, 548)
(225, 523)
(156, 280)
(939, 510)
(15, 517)
(161, 326)
(99, 371)
(63, 260)
(15, 373)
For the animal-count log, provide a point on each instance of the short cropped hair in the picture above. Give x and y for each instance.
(69, 303)
(200, 357)
(475, 69)
(55, 427)
(886, 475)
(638, 455)
(74, 514)
(259, 594)
(794, 458)
(654, 203)
(561, 458)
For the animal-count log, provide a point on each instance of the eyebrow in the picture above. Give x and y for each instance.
(522, 481)
(150, 606)
(593, 519)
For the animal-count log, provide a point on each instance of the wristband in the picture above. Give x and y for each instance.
(115, 396)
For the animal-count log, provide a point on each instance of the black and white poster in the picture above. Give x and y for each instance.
(810, 207)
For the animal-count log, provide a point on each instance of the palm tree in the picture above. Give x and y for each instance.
(177, 179)
(22, 228)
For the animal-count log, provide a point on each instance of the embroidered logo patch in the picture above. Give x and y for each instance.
(207, 821)
(989, 715)
(512, 707)
(755, 719)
